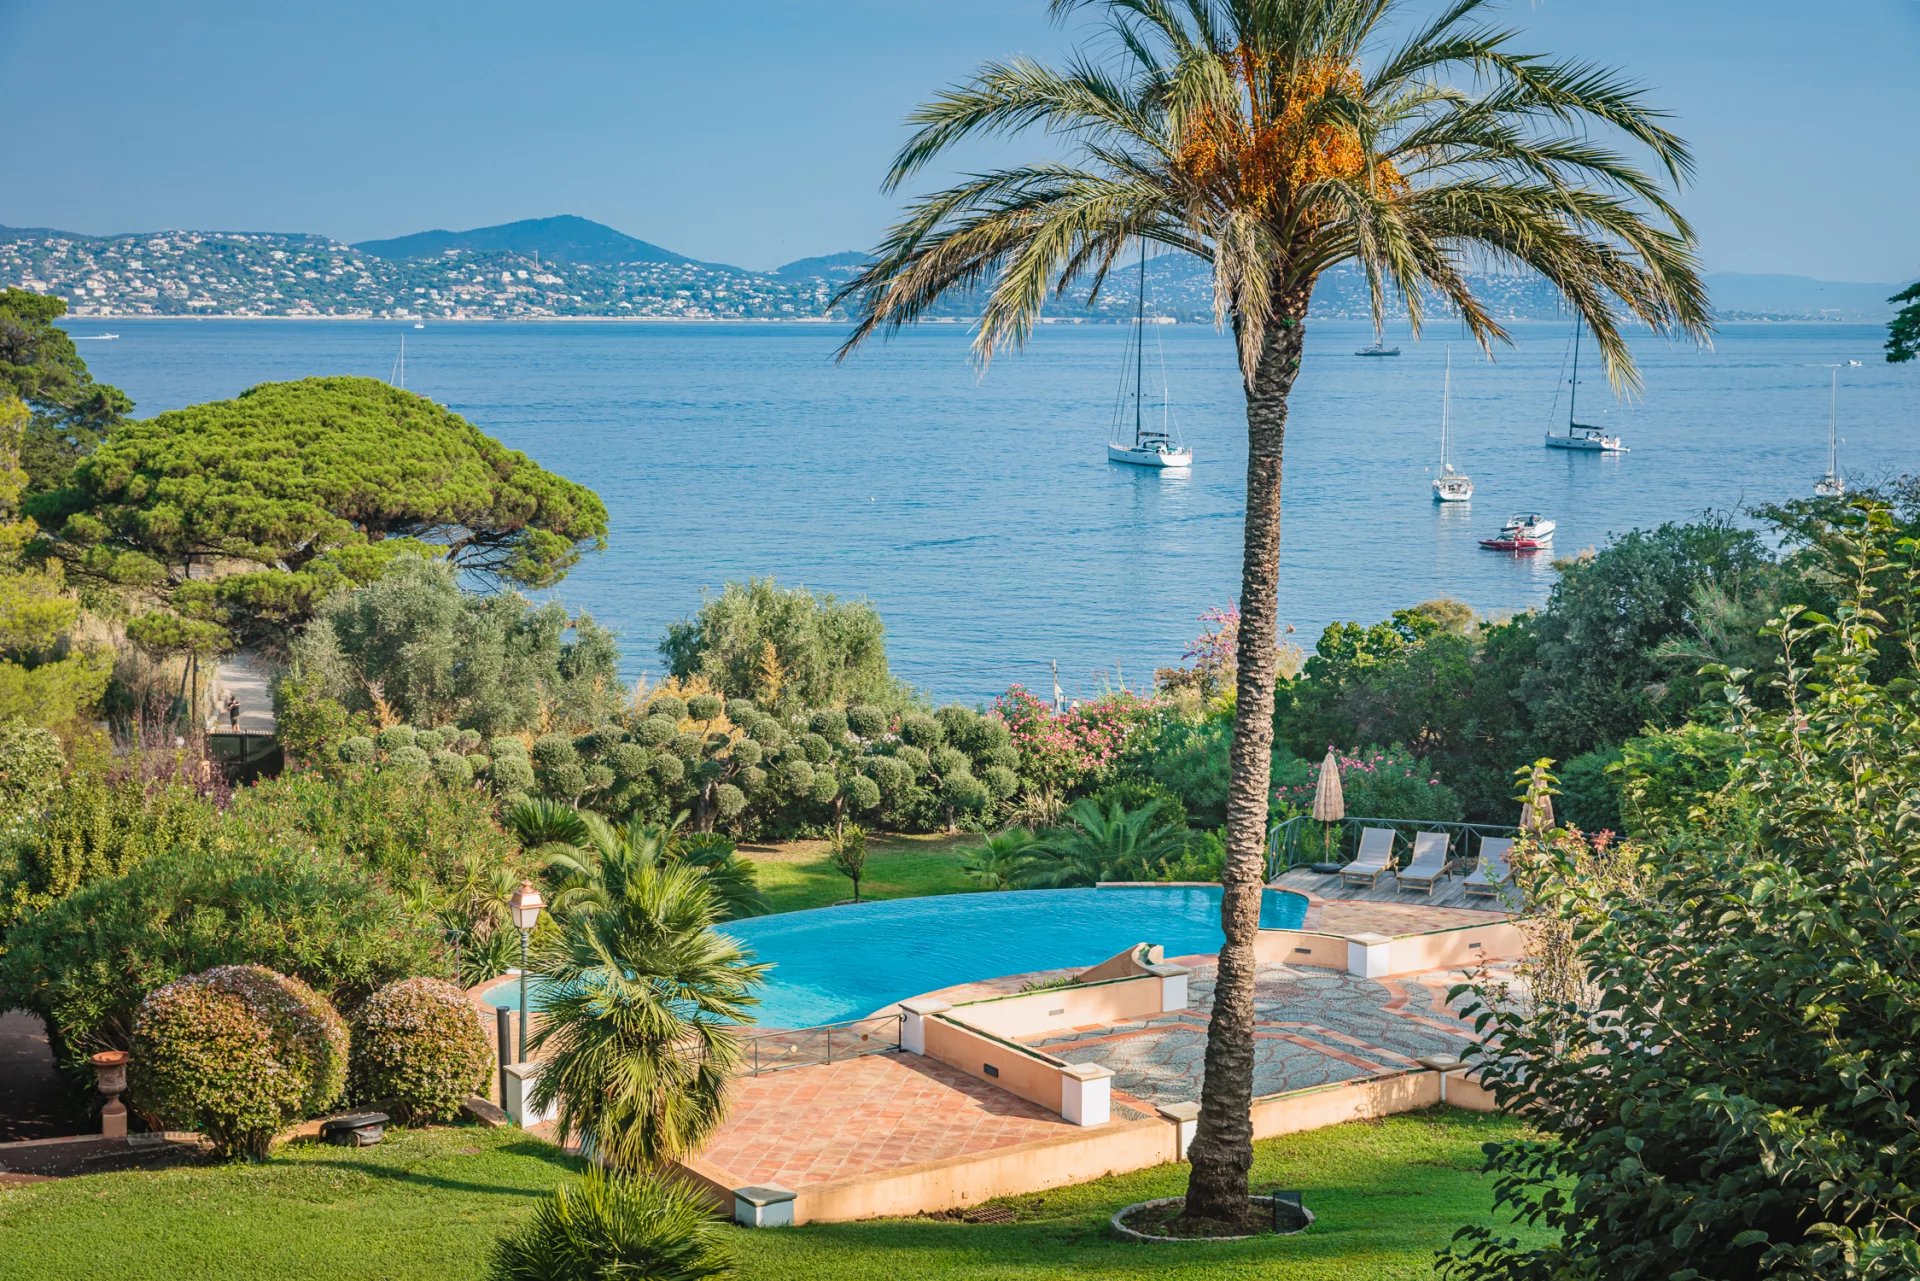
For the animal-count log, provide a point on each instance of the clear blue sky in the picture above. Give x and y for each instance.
(756, 131)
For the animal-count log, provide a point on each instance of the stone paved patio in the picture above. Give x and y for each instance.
(833, 1121)
(1315, 1027)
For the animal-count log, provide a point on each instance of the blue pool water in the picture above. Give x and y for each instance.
(836, 963)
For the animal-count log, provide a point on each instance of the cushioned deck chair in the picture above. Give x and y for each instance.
(1490, 875)
(1374, 860)
(1429, 862)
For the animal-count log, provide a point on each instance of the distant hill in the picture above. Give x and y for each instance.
(844, 266)
(565, 238)
(1742, 294)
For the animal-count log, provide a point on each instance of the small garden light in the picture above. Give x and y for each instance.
(524, 907)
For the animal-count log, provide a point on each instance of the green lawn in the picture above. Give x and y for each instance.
(796, 874)
(426, 1205)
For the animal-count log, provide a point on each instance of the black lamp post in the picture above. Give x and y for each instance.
(524, 907)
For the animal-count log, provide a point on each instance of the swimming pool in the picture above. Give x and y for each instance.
(836, 963)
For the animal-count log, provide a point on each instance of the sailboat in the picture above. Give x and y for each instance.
(1832, 486)
(1152, 446)
(1378, 348)
(1580, 436)
(398, 378)
(1449, 486)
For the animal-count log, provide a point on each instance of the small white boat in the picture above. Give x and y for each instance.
(1831, 485)
(1582, 437)
(95, 337)
(1378, 349)
(1526, 532)
(1151, 446)
(419, 324)
(1449, 486)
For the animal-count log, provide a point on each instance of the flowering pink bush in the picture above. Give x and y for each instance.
(1063, 752)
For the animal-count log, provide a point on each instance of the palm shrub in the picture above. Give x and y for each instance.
(639, 1044)
(418, 1047)
(606, 1225)
(1729, 1089)
(1000, 858)
(1097, 844)
(587, 857)
(237, 1052)
(1276, 140)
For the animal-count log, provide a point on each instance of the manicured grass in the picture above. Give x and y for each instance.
(1388, 1195)
(796, 874)
(427, 1206)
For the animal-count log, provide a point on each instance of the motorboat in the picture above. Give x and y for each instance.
(1449, 486)
(1150, 445)
(1582, 437)
(1378, 349)
(1831, 485)
(1526, 532)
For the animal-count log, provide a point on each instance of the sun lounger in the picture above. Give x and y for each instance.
(1490, 875)
(1374, 860)
(1429, 862)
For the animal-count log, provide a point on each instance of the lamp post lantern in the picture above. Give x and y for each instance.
(524, 907)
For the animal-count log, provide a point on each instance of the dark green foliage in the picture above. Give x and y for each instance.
(1590, 791)
(848, 854)
(1903, 331)
(1095, 844)
(1666, 775)
(40, 365)
(917, 729)
(610, 1225)
(1188, 759)
(1137, 794)
(437, 655)
(317, 485)
(824, 652)
(1731, 1092)
(867, 720)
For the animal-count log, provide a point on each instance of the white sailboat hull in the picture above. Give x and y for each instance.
(1452, 489)
(1150, 456)
(1586, 441)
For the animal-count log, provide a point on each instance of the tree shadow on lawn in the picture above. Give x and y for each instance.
(563, 1165)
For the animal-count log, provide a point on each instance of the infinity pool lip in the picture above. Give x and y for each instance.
(835, 964)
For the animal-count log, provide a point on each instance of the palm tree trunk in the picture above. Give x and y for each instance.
(1222, 1149)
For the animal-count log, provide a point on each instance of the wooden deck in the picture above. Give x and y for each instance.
(1448, 893)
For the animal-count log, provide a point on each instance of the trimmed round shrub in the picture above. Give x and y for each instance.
(950, 761)
(769, 733)
(611, 1224)
(1007, 756)
(656, 731)
(466, 742)
(746, 752)
(479, 764)
(551, 751)
(751, 779)
(674, 709)
(917, 729)
(429, 740)
(507, 747)
(1001, 781)
(418, 1047)
(358, 750)
(867, 721)
(728, 800)
(686, 746)
(598, 742)
(797, 775)
(862, 792)
(829, 724)
(669, 768)
(964, 792)
(410, 760)
(987, 734)
(630, 762)
(599, 778)
(705, 707)
(451, 767)
(741, 711)
(825, 787)
(511, 774)
(956, 723)
(913, 758)
(395, 737)
(816, 748)
(237, 1052)
(566, 780)
(892, 774)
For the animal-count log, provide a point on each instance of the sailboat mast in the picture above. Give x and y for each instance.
(1446, 403)
(1573, 393)
(1140, 345)
(1833, 426)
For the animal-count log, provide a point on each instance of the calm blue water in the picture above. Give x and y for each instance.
(831, 964)
(980, 514)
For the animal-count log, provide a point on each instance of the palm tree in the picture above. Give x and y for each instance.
(996, 862)
(1275, 139)
(642, 1008)
(1099, 845)
(583, 854)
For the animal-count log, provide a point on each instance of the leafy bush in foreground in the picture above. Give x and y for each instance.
(237, 1052)
(616, 1225)
(417, 1046)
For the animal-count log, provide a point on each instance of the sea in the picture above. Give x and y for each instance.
(976, 509)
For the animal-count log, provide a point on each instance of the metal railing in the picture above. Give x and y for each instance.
(1301, 840)
(828, 1043)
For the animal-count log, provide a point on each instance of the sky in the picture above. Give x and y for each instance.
(755, 132)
